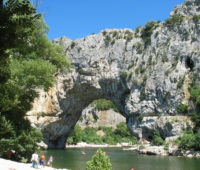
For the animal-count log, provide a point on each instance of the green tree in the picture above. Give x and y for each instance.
(28, 61)
(76, 135)
(157, 139)
(100, 161)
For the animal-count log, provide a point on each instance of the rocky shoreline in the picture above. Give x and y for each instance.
(86, 145)
(171, 150)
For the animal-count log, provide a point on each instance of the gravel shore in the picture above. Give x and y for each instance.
(12, 165)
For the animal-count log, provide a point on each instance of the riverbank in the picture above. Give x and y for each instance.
(12, 165)
(86, 145)
(171, 150)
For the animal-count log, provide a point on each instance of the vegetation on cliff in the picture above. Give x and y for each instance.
(111, 136)
(28, 60)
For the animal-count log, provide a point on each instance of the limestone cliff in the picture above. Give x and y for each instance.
(143, 72)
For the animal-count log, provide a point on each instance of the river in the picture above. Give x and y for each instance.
(121, 160)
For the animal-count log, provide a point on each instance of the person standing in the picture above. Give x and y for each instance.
(50, 161)
(42, 161)
(34, 160)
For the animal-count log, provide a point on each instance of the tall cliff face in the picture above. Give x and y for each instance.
(143, 72)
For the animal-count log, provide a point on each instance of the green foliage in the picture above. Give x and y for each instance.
(76, 135)
(90, 136)
(138, 47)
(28, 61)
(196, 18)
(188, 140)
(107, 40)
(157, 139)
(166, 146)
(73, 44)
(100, 161)
(128, 36)
(103, 104)
(23, 145)
(180, 83)
(147, 31)
(124, 75)
(140, 117)
(195, 94)
(164, 59)
(182, 108)
(174, 20)
(196, 121)
(167, 72)
(150, 60)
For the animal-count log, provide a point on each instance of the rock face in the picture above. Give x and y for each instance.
(168, 126)
(144, 72)
(95, 118)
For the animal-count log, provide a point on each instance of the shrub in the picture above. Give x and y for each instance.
(150, 60)
(124, 75)
(138, 47)
(129, 36)
(164, 59)
(103, 104)
(140, 117)
(195, 94)
(147, 31)
(114, 34)
(173, 20)
(182, 108)
(180, 84)
(89, 136)
(188, 140)
(196, 18)
(107, 40)
(157, 140)
(104, 32)
(73, 44)
(167, 72)
(100, 161)
(76, 135)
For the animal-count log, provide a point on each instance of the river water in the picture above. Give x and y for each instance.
(121, 160)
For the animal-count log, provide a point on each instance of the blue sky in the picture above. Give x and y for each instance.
(79, 18)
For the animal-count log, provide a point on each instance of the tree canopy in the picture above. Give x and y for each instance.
(28, 61)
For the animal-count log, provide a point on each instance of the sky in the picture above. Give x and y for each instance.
(80, 18)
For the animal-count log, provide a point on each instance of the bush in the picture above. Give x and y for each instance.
(100, 161)
(76, 135)
(157, 140)
(188, 140)
(103, 104)
(195, 94)
(173, 20)
(182, 108)
(196, 18)
(107, 40)
(147, 31)
(90, 136)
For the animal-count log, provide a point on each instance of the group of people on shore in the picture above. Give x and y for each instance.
(36, 161)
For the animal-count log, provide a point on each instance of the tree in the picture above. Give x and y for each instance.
(100, 161)
(28, 61)
(76, 135)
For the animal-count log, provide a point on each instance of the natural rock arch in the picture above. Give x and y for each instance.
(73, 100)
(116, 65)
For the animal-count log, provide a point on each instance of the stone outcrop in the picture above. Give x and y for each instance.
(144, 72)
(92, 117)
(168, 126)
